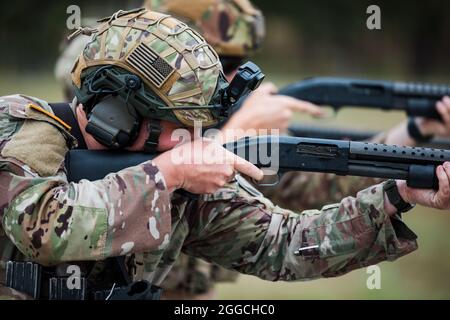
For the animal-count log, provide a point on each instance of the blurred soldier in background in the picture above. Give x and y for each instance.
(236, 29)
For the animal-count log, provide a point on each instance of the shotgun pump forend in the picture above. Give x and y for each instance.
(416, 99)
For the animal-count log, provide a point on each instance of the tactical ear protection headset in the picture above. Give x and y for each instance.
(116, 102)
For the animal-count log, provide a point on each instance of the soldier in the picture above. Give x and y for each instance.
(144, 67)
(236, 29)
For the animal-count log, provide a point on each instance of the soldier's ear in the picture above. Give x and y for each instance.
(81, 116)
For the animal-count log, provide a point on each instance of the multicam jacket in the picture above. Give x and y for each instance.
(48, 220)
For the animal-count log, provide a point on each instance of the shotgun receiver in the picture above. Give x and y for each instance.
(416, 99)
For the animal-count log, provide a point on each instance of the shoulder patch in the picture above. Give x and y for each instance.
(39, 145)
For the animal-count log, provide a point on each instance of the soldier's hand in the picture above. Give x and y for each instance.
(435, 127)
(263, 109)
(202, 167)
(430, 198)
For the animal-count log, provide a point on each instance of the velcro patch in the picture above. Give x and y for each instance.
(39, 145)
(150, 64)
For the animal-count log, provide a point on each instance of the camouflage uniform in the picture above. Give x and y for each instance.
(52, 221)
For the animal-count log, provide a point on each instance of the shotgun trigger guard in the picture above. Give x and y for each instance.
(272, 184)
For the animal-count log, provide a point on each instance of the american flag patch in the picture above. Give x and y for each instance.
(150, 64)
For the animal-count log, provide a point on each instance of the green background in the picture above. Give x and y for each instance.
(304, 38)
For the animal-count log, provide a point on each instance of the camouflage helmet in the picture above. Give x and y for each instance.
(235, 28)
(176, 65)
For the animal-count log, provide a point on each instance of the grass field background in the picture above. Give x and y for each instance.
(424, 274)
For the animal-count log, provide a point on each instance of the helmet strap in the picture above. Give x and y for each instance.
(154, 128)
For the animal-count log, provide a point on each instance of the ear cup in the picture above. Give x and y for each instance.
(113, 123)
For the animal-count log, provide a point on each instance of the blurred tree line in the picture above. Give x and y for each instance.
(307, 37)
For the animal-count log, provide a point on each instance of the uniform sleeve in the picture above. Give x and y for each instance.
(50, 220)
(252, 236)
(300, 190)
